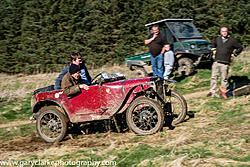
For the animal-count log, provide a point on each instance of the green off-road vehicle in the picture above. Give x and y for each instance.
(189, 47)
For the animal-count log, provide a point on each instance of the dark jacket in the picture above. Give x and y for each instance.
(60, 77)
(157, 44)
(70, 85)
(86, 79)
(224, 50)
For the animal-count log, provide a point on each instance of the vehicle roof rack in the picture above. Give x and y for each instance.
(167, 20)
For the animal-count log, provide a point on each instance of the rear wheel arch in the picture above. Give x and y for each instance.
(44, 103)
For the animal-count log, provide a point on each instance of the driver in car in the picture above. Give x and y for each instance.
(72, 82)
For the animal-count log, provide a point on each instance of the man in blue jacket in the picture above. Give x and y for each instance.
(77, 60)
(224, 47)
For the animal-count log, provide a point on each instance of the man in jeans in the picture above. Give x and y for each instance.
(224, 47)
(156, 42)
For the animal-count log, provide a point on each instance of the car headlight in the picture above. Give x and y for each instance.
(192, 46)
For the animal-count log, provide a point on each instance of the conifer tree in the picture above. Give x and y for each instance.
(38, 35)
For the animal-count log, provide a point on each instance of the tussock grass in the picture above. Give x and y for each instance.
(13, 110)
(21, 131)
(14, 87)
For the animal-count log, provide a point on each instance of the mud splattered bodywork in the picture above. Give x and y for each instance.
(101, 101)
(144, 101)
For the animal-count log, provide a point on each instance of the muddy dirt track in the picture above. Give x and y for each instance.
(30, 143)
(33, 142)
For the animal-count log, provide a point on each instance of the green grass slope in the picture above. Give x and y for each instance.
(215, 132)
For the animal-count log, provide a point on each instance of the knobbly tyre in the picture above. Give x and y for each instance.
(146, 102)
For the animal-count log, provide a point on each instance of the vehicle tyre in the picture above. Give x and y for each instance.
(51, 124)
(185, 66)
(178, 107)
(145, 116)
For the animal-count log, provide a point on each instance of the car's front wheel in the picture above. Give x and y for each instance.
(145, 116)
(51, 124)
(178, 107)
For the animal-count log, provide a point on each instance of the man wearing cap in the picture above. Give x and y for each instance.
(224, 47)
(71, 82)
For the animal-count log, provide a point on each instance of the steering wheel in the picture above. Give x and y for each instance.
(96, 79)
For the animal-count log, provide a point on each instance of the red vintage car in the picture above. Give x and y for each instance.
(146, 102)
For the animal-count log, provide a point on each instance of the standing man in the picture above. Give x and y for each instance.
(156, 42)
(224, 47)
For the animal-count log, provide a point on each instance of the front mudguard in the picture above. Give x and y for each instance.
(131, 95)
(158, 90)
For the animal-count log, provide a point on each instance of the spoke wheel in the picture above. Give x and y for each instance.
(51, 124)
(178, 107)
(145, 116)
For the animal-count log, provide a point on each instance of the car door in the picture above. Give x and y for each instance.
(111, 97)
(87, 102)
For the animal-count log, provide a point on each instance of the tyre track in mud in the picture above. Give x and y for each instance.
(16, 123)
(29, 144)
(195, 95)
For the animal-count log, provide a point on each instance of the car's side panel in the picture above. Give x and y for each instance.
(99, 102)
(114, 94)
(133, 95)
(111, 97)
(58, 97)
(86, 105)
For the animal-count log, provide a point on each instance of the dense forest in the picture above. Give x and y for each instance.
(39, 35)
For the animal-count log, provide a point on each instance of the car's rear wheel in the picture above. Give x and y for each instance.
(145, 116)
(51, 124)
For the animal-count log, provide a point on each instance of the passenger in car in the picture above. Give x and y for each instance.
(75, 59)
(72, 82)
